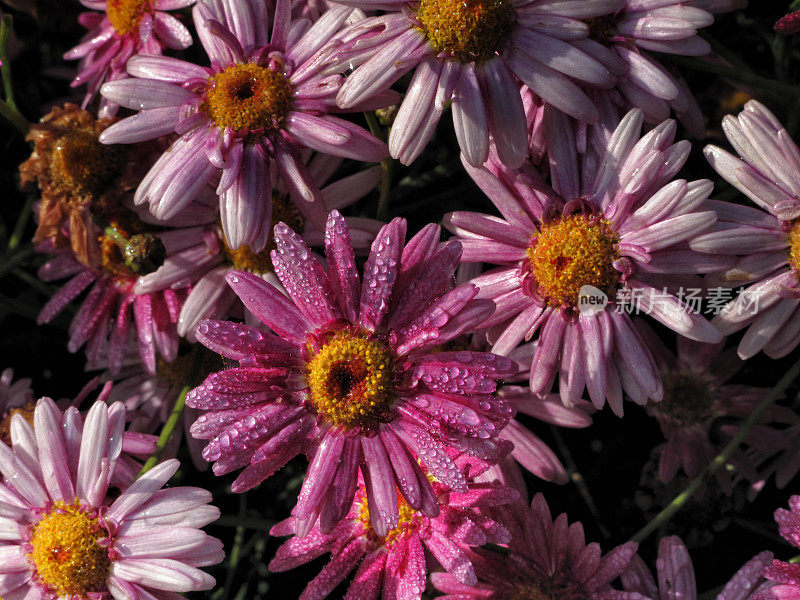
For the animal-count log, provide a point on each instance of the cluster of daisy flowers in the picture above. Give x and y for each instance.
(191, 211)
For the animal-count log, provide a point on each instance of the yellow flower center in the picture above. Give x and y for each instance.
(126, 15)
(408, 519)
(350, 380)
(572, 252)
(25, 411)
(82, 165)
(248, 98)
(470, 30)
(65, 550)
(794, 246)
(688, 398)
(534, 591)
(244, 259)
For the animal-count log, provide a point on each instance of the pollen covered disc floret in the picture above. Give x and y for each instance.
(794, 246)
(350, 380)
(66, 552)
(470, 30)
(408, 520)
(82, 165)
(572, 252)
(248, 98)
(126, 15)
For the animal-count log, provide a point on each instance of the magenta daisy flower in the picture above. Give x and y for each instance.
(350, 377)
(767, 240)
(616, 225)
(676, 575)
(471, 52)
(255, 108)
(128, 27)
(697, 400)
(396, 562)
(547, 559)
(784, 576)
(65, 537)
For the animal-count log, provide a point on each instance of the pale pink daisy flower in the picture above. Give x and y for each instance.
(623, 40)
(470, 53)
(207, 259)
(698, 401)
(260, 103)
(547, 559)
(122, 29)
(618, 225)
(766, 238)
(784, 576)
(65, 537)
(394, 565)
(676, 575)
(351, 377)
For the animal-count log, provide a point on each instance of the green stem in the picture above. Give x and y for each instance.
(175, 417)
(6, 28)
(33, 282)
(576, 478)
(779, 91)
(13, 116)
(14, 260)
(722, 458)
(22, 221)
(386, 169)
(238, 541)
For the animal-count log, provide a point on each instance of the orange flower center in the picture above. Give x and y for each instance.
(794, 246)
(66, 553)
(470, 30)
(82, 165)
(126, 15)
(248, 98)
(25, 411)
(244, 259)
(570, 253)
(349, 380)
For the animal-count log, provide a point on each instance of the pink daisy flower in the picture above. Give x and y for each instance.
(696, 399)
(259, 104)
(207, 259)
(65, 537)
(124, 28)
(618, 225)
(767, 238)
(784, 576)
(546, 559)
(471, 53)
(112, 312)
(350, 377)
(676, 575)
(396, 562)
